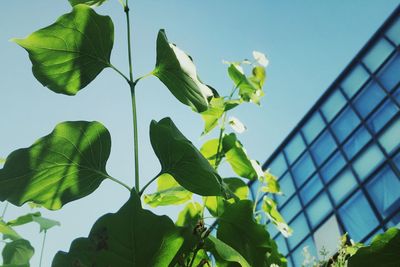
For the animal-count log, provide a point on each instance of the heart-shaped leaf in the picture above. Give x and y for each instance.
(44, 223)
(181, 159)
(63, 166)
(224, 253)
(131, 237)
(67, 55)
(17, 253)
(176, 70)
(87, 2)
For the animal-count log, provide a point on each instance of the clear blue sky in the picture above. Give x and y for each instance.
(308, 44)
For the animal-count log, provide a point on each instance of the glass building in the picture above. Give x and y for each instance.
(340, 167)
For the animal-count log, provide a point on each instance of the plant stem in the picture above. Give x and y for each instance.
(43, 243)
(119, 182)
(194, 256)
(147, 185)
(4, 210)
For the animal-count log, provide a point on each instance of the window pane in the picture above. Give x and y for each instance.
(327, 236)
(357, 77)
(390, 74)
(287, 187)
(394, 32)
(298, 254)
(385, 191)
(291, 208)
(282, 248)
(369, 98)
(323, 147)
(278, 165)
(333, 105)
(397, 95)
(311, 189)
(391, 137)
(367, 162)
(397, 161)
(300, 230)
(382, 116)
(342, 186)
(332, 167)
(294, 148)
(303, 169)
(377, 55)
(359, 139)
(345, 124)
(272, 230)
(319, 209)
(357, 217)
(313, 127)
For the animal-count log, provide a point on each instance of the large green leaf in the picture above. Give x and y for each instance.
(178, 73)
(67, 55)
(17, 253)
(224, 253)
(169, 192)
(87, 2)
(181, 159)
(384, 251)
(131, 237)
(213, 114)
(63, 166)
(44, 223)
(8, 232)
(190, 215)
(209, 150)
(270, 208)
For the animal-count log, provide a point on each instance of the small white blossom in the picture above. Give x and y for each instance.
(236, 125)
(257, 168)
(260, 58)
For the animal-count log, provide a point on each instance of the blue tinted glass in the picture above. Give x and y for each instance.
(357, 217)
(367, 162)
(278, 165)
(390, 74)
(369, 98)
(397, 161)
(397, 95)
(345, 124)
(311, 189)
(385, 191)
(377, 55)
(313, 127)
(352, 83)
(300, 230)
(291, 208)
(303, 169)
(390, 138)
(298, 256)
(382, 116)
(357, 141)
(280, 241)
(344, 184)
(333, 105)
(272, 230)
(394, 32)
(332, 167)
(287, 187)
(294, 148)
(319, 209)
(254, 188)
(323, 147)
(261, 216)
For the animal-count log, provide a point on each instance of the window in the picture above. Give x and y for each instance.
(378, 54)
(323, 147)
(397, 95)
(291, 209)
(391, 137)
(332, 167)
(311, 189)
(394, 32)
(327, 236)
(368, 161)
(254, 188)
(382, 116)
(300, 224)
(397, 161)
(342, 186)
(333, 105)
(390, 74)
(294, 148)
(319, 209)
(384, 191)
(303, 169)
(272, 230)
(357, 141)
(357, 217)
(369, 98)
(287, 187)
(298, 254)
(353, 82)
(280, 241)
(345, 124)
(278, 165)
(313, 127)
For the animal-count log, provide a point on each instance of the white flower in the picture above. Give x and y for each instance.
(236, 125)
(257, 168)
(260, 58)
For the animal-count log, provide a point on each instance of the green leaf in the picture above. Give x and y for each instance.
(2, 160)
(131, 237)
(271, 210)
(271, 184)
(209, 150)
(17, 253)
(224, 252)
(44, 223)
(190, 215)
(213, 114)
(181, 159)
(169, 192)
(67, 55)
(65, 165)
(237, 157)
(8, 232)
(87, 2)
(382, 252)
(176, 70)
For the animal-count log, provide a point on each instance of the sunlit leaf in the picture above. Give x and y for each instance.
(169, 192)
(190, 215)
(44, 223)
(271, 184)
(271, 210)
(209, 150)
(181, 159)
(67, 55)
(87, 2)
(8, 232)
(2, 160)
(224, 253)
(213, 114)
(65, 165)
(131, 237)
(382, 252)
(17, 253)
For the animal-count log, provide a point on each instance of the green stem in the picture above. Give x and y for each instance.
(256, 199)
(43, 243)
(147, 185)
(119, 182)
(4, 210)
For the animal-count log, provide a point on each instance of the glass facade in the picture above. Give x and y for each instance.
(340, 167)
